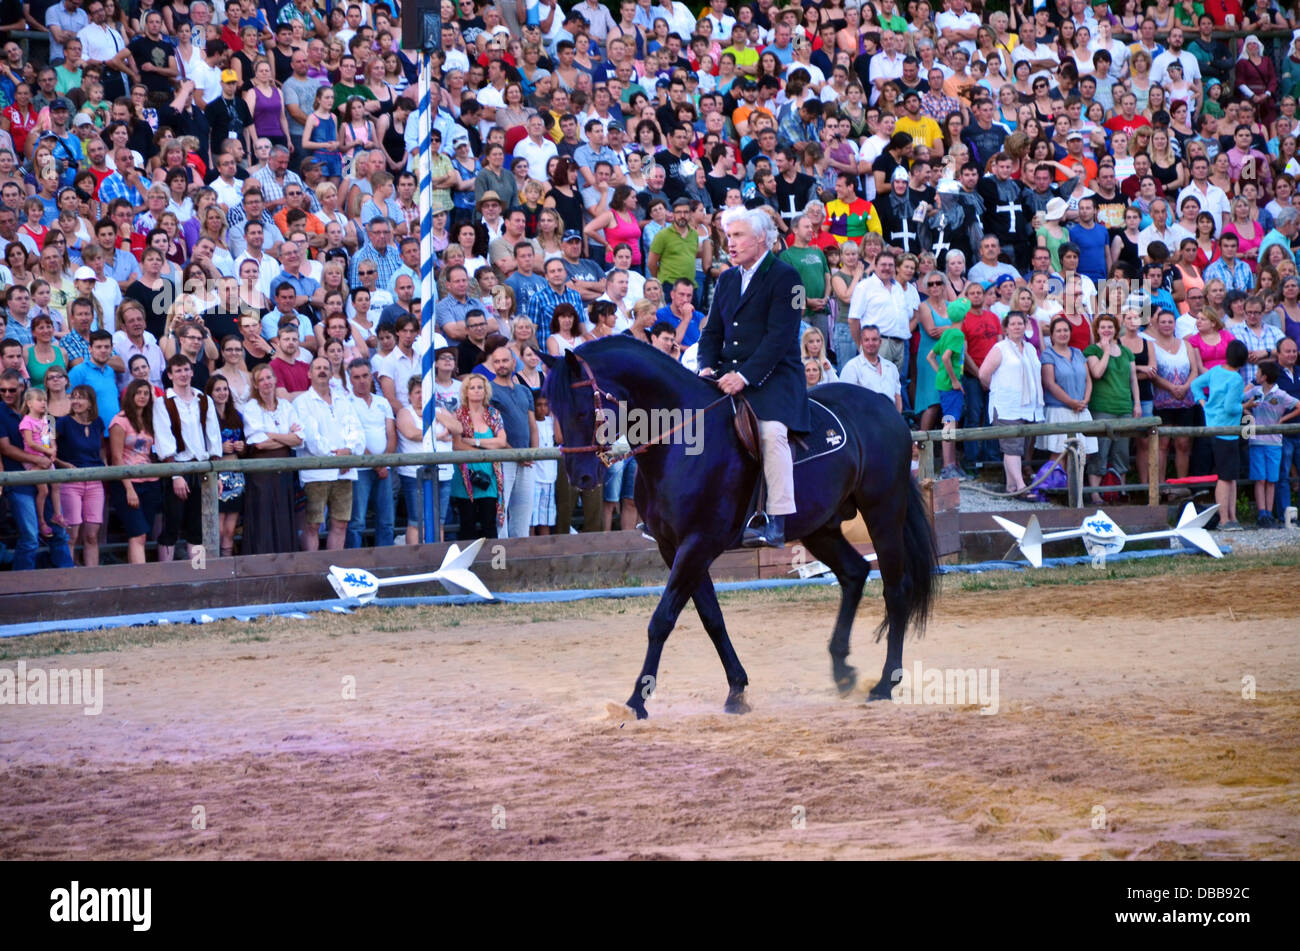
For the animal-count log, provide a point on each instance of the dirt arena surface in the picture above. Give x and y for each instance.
(1123, 694)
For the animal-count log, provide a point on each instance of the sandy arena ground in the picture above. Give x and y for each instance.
(486, 720)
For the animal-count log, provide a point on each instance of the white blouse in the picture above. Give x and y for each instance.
(258, 421)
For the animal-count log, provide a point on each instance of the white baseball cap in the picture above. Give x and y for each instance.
(84, 274)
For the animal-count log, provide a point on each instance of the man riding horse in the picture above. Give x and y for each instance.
(752, 340)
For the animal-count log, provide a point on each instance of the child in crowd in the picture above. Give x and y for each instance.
(1269, 405)
(32, 226)
(37, 427)
(544, 472)
(950, 350)
(1220, 391)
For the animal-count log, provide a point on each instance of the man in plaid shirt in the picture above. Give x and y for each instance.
(543, 303)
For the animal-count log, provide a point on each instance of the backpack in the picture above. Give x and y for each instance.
(1112, 478)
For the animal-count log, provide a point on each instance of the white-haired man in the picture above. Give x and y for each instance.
(752, 340)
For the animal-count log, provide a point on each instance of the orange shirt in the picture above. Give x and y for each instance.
(1089, 168)
(312, 225)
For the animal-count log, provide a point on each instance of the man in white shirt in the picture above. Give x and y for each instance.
(229, 189)
(887, 64)
(380, 428)
(330, 427)
(1176, 54)
(1170, 236)
(400, 365)
(132, 340)
(1210, 195)
(186, 429)
(537, 148)
(1041, 57)
(881, 302)
(723, 22)
(871, 370)
(958, 25)
(254, 235)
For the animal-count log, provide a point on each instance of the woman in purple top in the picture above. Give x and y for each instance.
(267, 105)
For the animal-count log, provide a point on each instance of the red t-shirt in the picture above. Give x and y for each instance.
(981, 331)
(1120, 124)
(294, 377)
(19, 125)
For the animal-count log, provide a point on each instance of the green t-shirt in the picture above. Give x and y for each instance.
(342, 92)
(951, 341)
(811, 265)
(1113, 393)
(676, 254)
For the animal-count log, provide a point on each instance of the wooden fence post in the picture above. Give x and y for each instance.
(211, 515)
(1154, 474)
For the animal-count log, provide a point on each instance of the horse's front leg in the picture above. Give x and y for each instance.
(689, 565)
(710, 612)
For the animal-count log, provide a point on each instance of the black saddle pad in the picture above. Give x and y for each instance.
(826, 436)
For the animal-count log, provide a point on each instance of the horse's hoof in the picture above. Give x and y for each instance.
(879, 693)
(736, 703)
(846, 681)
(623, 712)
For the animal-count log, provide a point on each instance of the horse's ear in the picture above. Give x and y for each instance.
(547, 359)
(571, 361)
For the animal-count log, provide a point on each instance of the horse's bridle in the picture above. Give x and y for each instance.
(602, 450)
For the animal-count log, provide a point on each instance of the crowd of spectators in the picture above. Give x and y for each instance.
(209, 234)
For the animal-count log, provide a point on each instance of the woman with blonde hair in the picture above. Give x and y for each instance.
(812, 346)
(1248, 231)
(475, 487)
(814, 373)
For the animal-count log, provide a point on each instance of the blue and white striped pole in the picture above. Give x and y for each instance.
(428, 287)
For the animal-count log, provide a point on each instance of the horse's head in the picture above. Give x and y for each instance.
(572, 395)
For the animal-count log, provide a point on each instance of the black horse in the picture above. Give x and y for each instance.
(695, 482)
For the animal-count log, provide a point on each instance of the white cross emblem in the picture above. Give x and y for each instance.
(906, 237)
(1010, 208)
(941, 246)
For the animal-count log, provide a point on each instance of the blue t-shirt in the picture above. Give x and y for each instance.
(103, 380)
(1092, 249)
(515, 404)
(1222, 389)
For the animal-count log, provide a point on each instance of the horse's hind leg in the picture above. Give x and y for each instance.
(829, 545)
(710, 612)
(885, 523)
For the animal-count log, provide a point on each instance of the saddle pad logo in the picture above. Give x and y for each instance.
(833, 438)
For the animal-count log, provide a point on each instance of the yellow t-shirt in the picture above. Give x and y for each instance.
(746, 57)
(923, 130)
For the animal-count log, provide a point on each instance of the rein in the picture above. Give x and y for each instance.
(602, 450)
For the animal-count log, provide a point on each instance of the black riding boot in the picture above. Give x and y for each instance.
(771, 535)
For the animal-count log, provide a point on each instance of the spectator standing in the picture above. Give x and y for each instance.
(290, 366)
(1269, 405)
(514, 403)
(81, 443)
(131, 441)
(1288, 380)
(230, 496)
(272, 431)
(1219, 392)
(186, 429)
(1014, 377)
(99, 375)
(410, 438)
(880, 301)
(475, 487)
(1115, 395)
(329, 428)
(377, 423)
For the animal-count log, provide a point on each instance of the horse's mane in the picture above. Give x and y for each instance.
(635, 351)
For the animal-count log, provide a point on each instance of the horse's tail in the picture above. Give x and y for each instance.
(920, 559)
